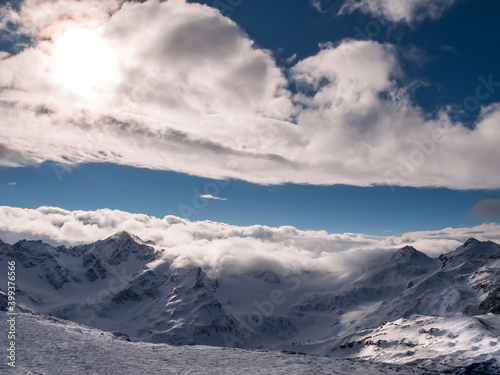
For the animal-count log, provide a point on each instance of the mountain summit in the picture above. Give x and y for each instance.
(408, 253)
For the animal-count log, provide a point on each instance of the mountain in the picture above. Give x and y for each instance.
(403, 310)
(115, 282)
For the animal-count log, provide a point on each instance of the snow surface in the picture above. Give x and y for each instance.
(435, 343)
(48, 346)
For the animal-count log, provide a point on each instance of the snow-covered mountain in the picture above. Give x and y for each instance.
(407, 309)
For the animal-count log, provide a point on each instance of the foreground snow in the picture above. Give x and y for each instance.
(51, 346)
(431, 342)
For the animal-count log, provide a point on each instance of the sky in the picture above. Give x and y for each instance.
(376, 117)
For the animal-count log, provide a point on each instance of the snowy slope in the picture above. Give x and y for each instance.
(123, 284)
(435, 343)
(49, 346)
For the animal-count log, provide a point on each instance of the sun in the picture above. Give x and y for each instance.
(84, 62)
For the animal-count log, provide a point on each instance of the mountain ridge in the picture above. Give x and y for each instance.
(123, 284)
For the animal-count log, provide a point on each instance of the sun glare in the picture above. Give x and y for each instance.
(84, 62)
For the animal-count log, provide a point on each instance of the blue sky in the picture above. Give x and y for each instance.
(375, 210)
(440, 59)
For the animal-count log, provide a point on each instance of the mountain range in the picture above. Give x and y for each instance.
(433, 313)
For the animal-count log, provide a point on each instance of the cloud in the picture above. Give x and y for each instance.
(486, 208)
(449, 49)
(208, 196)
(12, 184)
(226, 248)
(291, 59)
(197, 96)
(317, 4)
(408, 11)
(11, 158)
(31, 17)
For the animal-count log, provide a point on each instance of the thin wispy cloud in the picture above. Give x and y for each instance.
(208, 196)
(317, 4)
(408, 11)
(291, 59)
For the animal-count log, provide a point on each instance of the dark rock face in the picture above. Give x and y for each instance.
(126, 295)
(490, 367)
(95, 268)
(91, 275)
(57, 276)
(491, 304)
(3, 301)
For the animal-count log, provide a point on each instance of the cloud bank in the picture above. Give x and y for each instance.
(196, 95)
(222, 247)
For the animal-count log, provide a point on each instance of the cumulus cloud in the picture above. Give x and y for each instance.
(208, 196)
(486, 208)
(408, 11)
(196, 95)
(222, 247)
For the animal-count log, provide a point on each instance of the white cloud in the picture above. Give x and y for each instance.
(224, 248)
(37, 17)
(195, 95)
(208, 196)
(399, 10)
(12, 184)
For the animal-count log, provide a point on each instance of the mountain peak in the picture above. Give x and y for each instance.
(471, 241)
(122, 236)
(117, 248)
(25, 241)
(34, 247)
(473, 249)
(408, 252)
